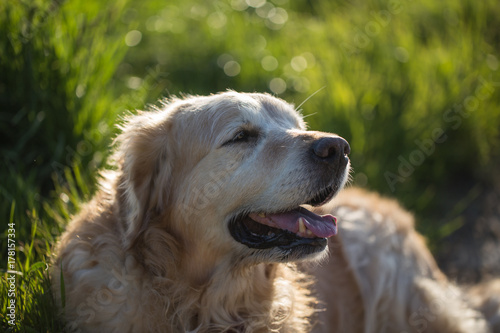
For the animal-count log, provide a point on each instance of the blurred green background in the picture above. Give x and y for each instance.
(413, 86)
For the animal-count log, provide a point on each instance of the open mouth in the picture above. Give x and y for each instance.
(290, 229)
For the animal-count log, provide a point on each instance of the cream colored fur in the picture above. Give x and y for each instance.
(399, 287)
(152, 253)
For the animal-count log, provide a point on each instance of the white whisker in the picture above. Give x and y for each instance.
(311, 114)
(308, 98)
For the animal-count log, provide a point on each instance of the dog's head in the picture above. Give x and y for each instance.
(230, 174)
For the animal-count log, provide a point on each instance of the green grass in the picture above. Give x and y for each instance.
(387, 79)
(36, 310)
(34, 305)
(58, 106)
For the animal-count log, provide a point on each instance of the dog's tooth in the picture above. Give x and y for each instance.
(309, 232)
(302, 226)
(262, 214)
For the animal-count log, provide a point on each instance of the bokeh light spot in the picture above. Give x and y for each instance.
(134, 82)
(401, 54)
(298, 63)
(278, 16)
(264, 10)
(310, 58)
(239, 5)
(277, 85)
(360, 179)
(255, 3)
(217, 20)
(64, 197)
(223, 59)
(198, 11)
(133, 37)
(232, 68)
(492, 62)
(269, 63)
(80, 91)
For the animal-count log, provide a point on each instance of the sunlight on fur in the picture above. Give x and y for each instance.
(214, 217)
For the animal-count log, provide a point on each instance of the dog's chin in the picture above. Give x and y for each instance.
(291, 234)
(296, 254)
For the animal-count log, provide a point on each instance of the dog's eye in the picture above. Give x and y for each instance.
(241, 136)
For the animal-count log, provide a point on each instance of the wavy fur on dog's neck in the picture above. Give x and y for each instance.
(241, 299)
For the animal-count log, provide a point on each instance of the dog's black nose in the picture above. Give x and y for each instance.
(331, 148)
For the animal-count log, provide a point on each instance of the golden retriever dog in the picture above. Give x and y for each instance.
(217, 217)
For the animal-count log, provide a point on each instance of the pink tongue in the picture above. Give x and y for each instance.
(321, 226)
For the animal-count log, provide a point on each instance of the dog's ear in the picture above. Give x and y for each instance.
(143, 157)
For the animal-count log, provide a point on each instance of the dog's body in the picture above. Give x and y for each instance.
(391, 281)
(200, 227)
